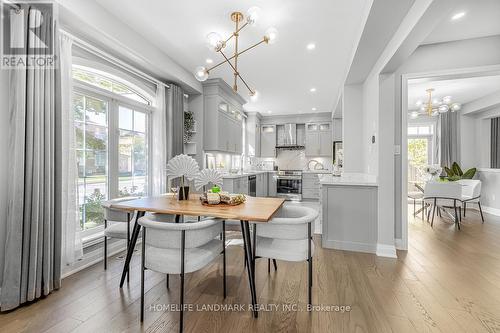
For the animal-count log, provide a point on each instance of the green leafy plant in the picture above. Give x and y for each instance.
(455, 172)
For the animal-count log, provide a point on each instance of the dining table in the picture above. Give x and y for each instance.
(254, 209)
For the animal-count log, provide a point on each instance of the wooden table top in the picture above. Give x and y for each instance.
(253, 209)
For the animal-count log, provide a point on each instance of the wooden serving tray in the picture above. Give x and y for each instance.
(220, 204)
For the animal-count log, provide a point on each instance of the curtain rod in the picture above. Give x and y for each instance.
(96, 51)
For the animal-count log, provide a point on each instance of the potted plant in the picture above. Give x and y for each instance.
(455, 172)
(185, 167)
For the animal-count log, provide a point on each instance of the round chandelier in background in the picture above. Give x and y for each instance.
(433, 106)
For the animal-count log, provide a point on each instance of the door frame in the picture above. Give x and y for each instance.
(446, 74)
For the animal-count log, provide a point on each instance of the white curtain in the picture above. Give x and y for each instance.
(160, 129)
(71, 230)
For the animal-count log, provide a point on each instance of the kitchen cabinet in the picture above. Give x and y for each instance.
(268, 141)
(236, 185)
(318, 139)
(222, 118)
(262, 185)
(310, 186)
(272, 183)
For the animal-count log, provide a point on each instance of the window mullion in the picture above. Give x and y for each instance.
(114, 149)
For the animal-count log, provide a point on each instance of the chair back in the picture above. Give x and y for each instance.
(443, 190)
(163, 232)
(113, 214)
(471, 187)
(290, 222)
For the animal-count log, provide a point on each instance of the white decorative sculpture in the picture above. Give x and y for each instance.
(206, 176)
(183, 166)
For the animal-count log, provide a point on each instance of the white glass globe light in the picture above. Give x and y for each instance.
(443, 108)
(423, 108)
(200, 73)
(253, 14)
(456, 107)
(418, 103)
(435, 113)
(271, 35)
(447, 99)
(254, 96)
(435, 102)
(214, 41)
(414, 115)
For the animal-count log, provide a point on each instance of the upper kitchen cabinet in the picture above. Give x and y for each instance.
(223, 118)
(318, 139)
(268, 141)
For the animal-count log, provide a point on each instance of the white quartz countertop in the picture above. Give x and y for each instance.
(349, 179)
(317, 171)
(244, 174)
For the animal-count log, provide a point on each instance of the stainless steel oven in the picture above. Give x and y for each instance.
(289, 184)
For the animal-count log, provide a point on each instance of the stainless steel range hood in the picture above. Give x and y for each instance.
(287, 137)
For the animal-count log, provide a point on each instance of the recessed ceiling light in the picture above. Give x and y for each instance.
(209, 61)
(269, 111)
(458, 16)
(312, 90)
(314, 109)
(311, 46)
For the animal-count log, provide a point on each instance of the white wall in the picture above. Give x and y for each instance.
(4, 162)
(469, 154)
(370, 124)
(91, 22)
(352, 128)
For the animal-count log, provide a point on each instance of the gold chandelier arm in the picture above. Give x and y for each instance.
(243, 51)
(236, 32)
(235, 71)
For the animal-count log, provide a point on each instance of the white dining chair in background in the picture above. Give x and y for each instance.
(444, 194)
(471, 193)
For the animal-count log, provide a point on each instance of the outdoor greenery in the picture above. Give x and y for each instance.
(417, 152)
(455, 172)
(94, 214)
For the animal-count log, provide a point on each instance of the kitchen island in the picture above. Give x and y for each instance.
(349, 212)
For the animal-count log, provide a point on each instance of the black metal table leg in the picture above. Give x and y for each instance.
(245, 229)
(130, 251)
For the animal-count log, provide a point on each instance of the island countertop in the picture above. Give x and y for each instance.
(348, 179)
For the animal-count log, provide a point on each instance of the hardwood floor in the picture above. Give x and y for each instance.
(448, 281)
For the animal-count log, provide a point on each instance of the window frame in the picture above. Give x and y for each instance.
(114, 101)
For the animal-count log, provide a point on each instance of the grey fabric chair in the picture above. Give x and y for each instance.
(116, 224)
(179, 248)
(288, 236)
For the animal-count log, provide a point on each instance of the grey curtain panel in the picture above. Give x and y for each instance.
(176, 110)
(33, 227)
(495, 143)
(450, 138)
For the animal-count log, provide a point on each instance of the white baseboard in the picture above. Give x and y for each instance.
(490, 210)
(388, 251)
(398, 242)
(349, 246)
(96, 256)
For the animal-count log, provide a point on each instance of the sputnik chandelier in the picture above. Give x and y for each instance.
(434, 106)
(216, 43)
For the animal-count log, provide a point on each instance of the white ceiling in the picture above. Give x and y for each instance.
(284, 72)
(482, 19)
(461, 90)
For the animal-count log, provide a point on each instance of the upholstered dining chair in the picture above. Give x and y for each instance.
(444, 194)
(180, 248)
(116, 224)
(288, 236)
(471, 193)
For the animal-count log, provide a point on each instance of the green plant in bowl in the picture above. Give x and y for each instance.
(215, 189)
